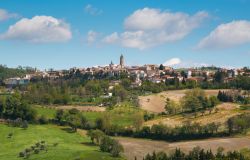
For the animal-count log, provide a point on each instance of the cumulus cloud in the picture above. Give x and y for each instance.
(172, 62)
(39, 29)
(4, 15)
(227, 35)
(150, 27)
(112, 38)
(155, 19)
(92, 10)
(91, 37)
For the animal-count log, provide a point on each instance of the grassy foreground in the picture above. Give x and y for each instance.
(70, 146)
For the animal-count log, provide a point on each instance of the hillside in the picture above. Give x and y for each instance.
(69, 145)
(156, 102)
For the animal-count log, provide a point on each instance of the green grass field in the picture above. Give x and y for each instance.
(122, 116)
(46, 111)
(70, 146)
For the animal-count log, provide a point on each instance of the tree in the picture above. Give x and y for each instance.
(213, 101)
(230, 125)
(138, 119)
(104, 123)
(24, 124)
(183, 74)
(120, 92)
(219, 76)
(47, 99)
(93, 88)
(59, 115)
(126, 83)
(106, 144)
(95, 136)
(171, 106)
(161, 67)
(193, 100)
(43, 120)
(116, 149)
(75, 120)
(2, 106)
(15, 107)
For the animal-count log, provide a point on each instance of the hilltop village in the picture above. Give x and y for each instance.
(151, 72)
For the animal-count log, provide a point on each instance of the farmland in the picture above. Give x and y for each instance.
(156, 102)
(140, 147)
(224, 112)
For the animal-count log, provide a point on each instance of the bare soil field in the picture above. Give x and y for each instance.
(226, 111)
(140, 147)
(82, 108)
(156, 102)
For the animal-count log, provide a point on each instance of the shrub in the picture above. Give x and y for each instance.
(43, 120)
(55, 144)
(36, 151)
(42, 147)
(106, 144)
(10, 135)
(32, 147)
(27, 150)
(116, 149)
(24, 124)
(22, 154)
(38, 144)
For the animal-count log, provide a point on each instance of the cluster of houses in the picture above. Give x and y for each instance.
(151, 72)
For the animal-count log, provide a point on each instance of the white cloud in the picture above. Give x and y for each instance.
(91, 37)
(227, 35)
(112, 38)
(172, 62)
(155, 19)
(39, 29)
(150, 27)
(4, 15)
(92, 10)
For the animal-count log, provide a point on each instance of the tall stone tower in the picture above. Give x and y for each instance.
(122, 61)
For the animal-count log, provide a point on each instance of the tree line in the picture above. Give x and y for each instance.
(196, 154)
(218, 82)
(233, 96)
(193, 101)
(238, 124)
(64, 92)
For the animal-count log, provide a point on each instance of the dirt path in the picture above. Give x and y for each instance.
(82, 108)
(140, 147)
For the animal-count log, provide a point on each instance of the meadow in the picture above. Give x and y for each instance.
(70, 146)
(122, 116)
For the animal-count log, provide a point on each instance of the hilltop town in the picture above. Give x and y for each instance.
(150, 72)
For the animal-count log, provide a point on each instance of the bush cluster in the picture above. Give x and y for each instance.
(34, 149)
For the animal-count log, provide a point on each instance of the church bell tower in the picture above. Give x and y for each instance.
(122, 61)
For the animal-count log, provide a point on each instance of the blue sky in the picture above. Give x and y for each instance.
(61, 34)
